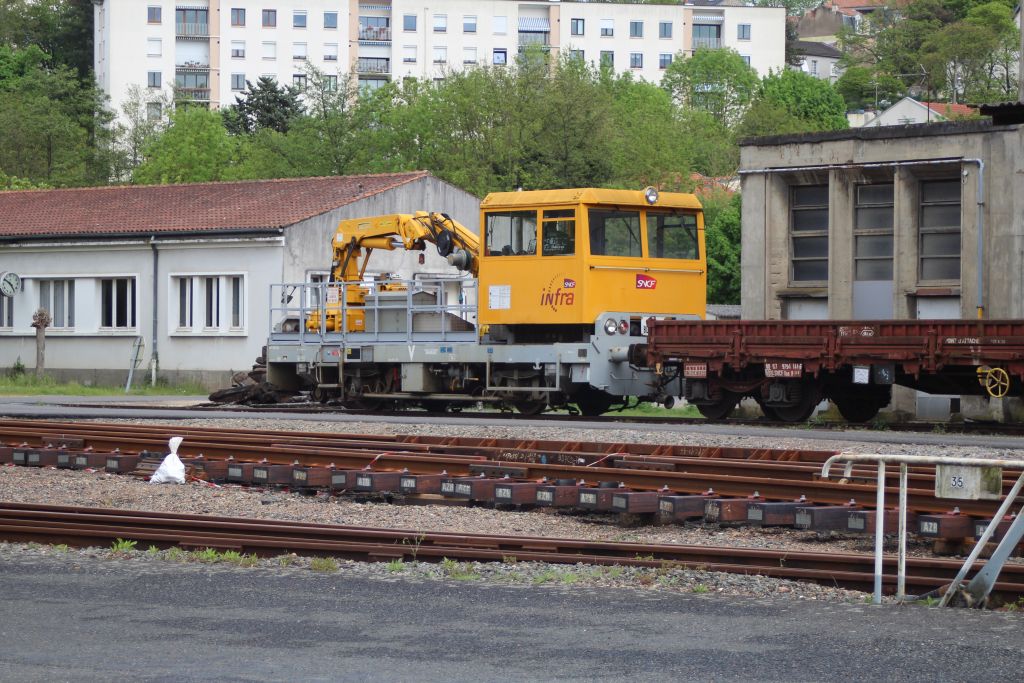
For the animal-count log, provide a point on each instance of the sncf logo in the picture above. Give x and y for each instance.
(568, 283)
(645, 282)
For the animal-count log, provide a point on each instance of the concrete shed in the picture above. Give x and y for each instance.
(894, 222)
(185, 268)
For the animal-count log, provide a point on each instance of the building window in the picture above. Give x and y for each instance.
(299, 51)
(814, 67)
(409, 22)
(270, 50)
(330, 52)
(940, 230)
(58, 298)
(154, 79)
(636, 29)
(6, 312)
(269, 18)
(500, 56)
(209, 302)
(298, 19)
(238, 16)
(188, 80)
(330, 20)
(440, 54)
(872, 232)
(576, 27)
(707, 36)
(154, 47)
(607, 58)
(330, 83)
(154, 15)
(577, 54)
(743, 31)
(469, 55)
(746, 59)
(469, 24)
(409, 54)
(238, 48)
(299, 81)
(808, 223)
(238, 81)
(664, 59)
(154, 110)
(665, 29)
(117, 303)
(192, 22)
(440, 23)
(368, 85)
(607, 27)
(636, 60)
(500, 25)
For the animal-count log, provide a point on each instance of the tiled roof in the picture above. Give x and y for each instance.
(250, 205)
(950, 110)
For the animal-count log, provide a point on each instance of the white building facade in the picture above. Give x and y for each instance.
(210, 48)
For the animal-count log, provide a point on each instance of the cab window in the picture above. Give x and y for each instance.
(672, 235)
(558, 233)
(615, 233)
(512, 233)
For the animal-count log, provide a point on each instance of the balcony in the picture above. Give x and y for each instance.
(192, 30)
(378, 33)
(373, 65)
(707, 43)
(538, 39)
(194, 94)
(194, 66)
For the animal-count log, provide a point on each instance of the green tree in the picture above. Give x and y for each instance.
(264, 105)
(809, 99)
(716, 81)
(63, 29)
(194, 148)
(722, 232)
(863, 87)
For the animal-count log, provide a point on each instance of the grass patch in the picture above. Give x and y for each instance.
(323, 564)
(28, 384)
(207, 555)
(62, 548)
(545, 577)
(458, 570)
(121, 546)
(396, 566)
(701, 588)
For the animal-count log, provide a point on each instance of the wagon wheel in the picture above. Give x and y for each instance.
(720, 409)
(997, 382)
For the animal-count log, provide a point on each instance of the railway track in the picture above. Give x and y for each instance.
(84, 527)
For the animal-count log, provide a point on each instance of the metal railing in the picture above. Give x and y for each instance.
(197, 94)
(373, 65)
(375, 33)
(425, 310)
(192, 29)
(709, 43)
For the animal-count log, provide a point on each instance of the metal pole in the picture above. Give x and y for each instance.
(901, 569)
(879, 532)
(989, 530)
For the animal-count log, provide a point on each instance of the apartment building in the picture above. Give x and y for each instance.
(208, 49)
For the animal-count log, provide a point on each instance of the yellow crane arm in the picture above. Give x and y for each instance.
(356, 238)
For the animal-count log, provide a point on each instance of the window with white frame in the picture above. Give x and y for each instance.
(154, 47)
(6, 312)
(469, 55)
(330, 20)
(607, 27)
(469, 24)
(440, 23)
(237, 49)
(58, 298)
(208, 303)
(299, 19)
(440, 54)
(500, 26)
(270, 50)
(409, 54)
(500, 56)
(408, 22)
(299, 51)
(330, 52)
(117, 303)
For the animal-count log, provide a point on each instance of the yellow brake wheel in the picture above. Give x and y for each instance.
(997, 382)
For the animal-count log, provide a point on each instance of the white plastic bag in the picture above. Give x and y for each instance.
(172, 469)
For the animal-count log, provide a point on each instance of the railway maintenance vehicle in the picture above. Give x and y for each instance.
(548, 300)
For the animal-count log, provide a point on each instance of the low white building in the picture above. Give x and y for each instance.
(819, 60)
(209, 48)
(908, 111)
(186, 268)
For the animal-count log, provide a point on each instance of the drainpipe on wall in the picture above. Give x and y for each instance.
(981, 234)
(154, 359)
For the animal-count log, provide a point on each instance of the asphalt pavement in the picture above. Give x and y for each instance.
(65, 618)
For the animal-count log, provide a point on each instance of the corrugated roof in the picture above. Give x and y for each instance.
(251, 206)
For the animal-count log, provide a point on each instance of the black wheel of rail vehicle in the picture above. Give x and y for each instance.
(592, 402)
(769, 413)
(528, 407)
(809, 398)
(720, 409)
(434, 405)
